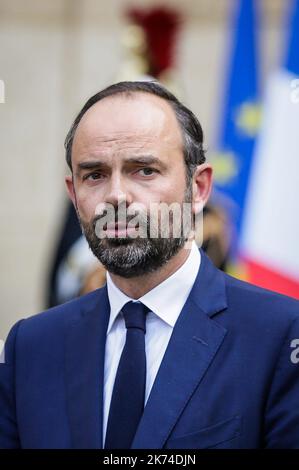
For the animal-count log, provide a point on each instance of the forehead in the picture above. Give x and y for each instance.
(140, 119)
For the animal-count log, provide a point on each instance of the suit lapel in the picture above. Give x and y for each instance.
(194, 343)
(84, 362)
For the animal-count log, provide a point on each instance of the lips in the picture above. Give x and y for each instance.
(117, 226)
(118, 230)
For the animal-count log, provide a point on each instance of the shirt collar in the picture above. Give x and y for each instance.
(166, 300)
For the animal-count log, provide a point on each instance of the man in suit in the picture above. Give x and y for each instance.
(171, 352)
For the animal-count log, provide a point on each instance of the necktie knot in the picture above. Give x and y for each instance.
(135, 315)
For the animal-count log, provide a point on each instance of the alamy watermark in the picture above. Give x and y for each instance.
(295, 91)
(2, 358)
(295, 354)
(2, 92)
(159, 220)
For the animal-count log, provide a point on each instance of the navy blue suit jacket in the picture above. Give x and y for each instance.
(226, 380)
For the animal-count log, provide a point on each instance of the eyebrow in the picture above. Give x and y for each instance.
(140, 160)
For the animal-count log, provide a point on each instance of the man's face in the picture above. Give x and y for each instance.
(128, 150)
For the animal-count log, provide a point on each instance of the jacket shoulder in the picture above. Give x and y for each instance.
(262, 303)
(61, 316)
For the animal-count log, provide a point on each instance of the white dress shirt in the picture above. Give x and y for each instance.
(165, 302)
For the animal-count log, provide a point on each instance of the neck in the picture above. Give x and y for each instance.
(136, 287)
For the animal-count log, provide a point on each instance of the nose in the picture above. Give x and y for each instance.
(117, 191)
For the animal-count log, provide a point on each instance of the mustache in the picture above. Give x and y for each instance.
(121, 217)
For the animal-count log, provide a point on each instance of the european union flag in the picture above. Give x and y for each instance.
(292, 56)
(240, 116)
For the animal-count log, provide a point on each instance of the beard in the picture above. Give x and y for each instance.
(130, 257)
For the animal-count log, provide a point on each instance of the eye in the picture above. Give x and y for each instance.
(96, 175)
(147, 171)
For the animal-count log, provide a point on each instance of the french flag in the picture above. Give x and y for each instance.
(270, 229)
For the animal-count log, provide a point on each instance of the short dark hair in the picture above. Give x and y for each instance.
(192, 133)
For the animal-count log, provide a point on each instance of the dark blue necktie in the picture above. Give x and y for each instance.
(127, 401)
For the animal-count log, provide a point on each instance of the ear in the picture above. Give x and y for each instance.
(202, 185)
(70, 189)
